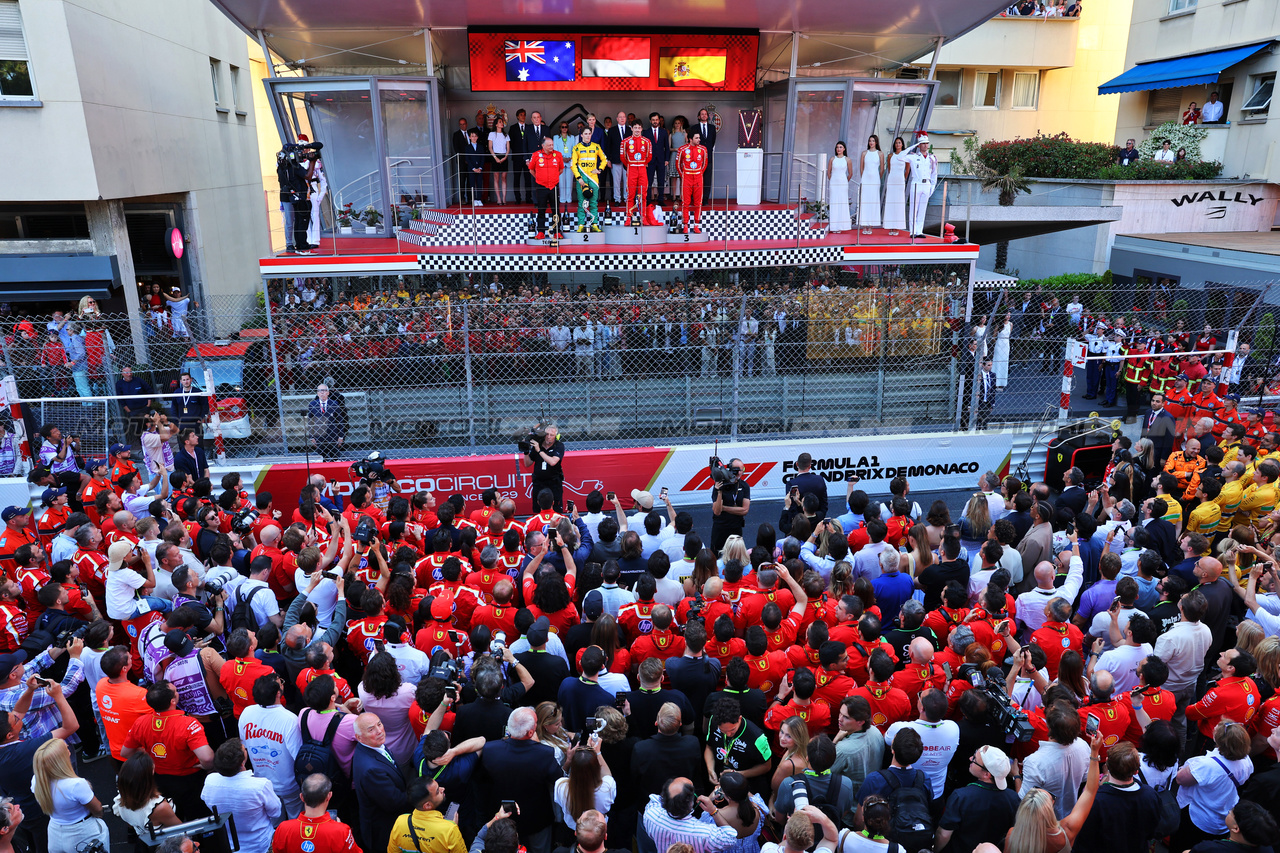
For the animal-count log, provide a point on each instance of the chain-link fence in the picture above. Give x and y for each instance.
(435, 363)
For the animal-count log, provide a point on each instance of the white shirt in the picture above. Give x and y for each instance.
(592, 521)
(614, 682)
(940, 742)
(273, 737)
(324, 596)
(1183, 648)
(251, 800)
(1031, 607)
(1058, 769)
(649, 544)
(121, 585)
(978, 582)
(1122, 662)
(70, 797)
(138, 504)
(681, 570)
(604, 797)
(1211, 111)
(412, 663)
(1165, 155)
(886, 511)
(264, 606)
(670, 592)
(554, 646)
(1216, 790)
(1101, 626)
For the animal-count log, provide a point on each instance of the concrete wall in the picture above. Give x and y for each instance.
(1250, 148)
(1074, 55)
(1194, 265)
(128, 113)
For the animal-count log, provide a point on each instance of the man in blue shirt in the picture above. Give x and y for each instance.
(807, 482)
(579, 696)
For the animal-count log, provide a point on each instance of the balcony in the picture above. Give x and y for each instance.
(1042, 43)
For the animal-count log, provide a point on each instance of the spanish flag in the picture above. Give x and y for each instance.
(692, 67)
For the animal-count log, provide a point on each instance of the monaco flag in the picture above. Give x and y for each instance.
(615, 56)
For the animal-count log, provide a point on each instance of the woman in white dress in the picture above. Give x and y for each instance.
(839, 174)
(499, 154)
(895, 187)
(1001, 357)
(870, 175)
(980, 334)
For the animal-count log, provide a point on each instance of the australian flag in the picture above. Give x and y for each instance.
(540, 61)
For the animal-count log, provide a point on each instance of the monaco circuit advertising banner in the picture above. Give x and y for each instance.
(932, 461)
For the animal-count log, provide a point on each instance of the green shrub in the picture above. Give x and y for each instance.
(1057, 156)
(1150, 170)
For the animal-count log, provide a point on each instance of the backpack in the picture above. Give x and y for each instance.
(242, 615)
(893, 846)
(912, 825)
(1169, 816)
(822, 804)
(318, 756)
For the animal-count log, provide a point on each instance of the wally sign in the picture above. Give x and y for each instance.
(930, 461)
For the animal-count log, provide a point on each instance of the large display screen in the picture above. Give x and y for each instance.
(520, 60)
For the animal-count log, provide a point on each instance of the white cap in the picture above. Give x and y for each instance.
(644, 499)
(997, 764)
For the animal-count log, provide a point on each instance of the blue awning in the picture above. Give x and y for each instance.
(1180, 70)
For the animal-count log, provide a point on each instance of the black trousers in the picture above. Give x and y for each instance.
(301, 222)
(544, 200)
(522, 183)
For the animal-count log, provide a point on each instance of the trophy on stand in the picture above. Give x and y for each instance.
(750, 159)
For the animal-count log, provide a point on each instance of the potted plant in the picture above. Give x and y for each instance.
(372, 218)
(345, 217)
(820, 210)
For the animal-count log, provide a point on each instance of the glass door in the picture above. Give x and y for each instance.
(818, 123)
(408, 118)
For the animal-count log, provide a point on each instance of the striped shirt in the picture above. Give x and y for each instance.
(666, 830)
(43, 716)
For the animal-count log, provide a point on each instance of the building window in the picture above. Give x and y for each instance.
(1163, 105)
(1026, 90)
(986, 90)
(15, 67)
(235, 86)
(215, 74)
(1259, 102)
(948, 89)
(1176, 6)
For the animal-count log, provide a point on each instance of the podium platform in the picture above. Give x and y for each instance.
(632, 235)
(681, 239)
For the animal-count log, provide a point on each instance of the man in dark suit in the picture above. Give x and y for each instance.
(520, 757)
(522, 181)
(534, 134)
(327, 423)
(661, 154)
(1073, 497)
(707, 128)
(379, 782)
(1161, 428)
(473, 163)
(613, 151)
(986, 393)
(461, 138)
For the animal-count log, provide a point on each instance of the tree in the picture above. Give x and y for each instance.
(1006, 185)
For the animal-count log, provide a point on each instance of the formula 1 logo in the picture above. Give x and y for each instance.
(752, 474)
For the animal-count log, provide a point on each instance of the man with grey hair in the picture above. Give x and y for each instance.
(379, 782)
(520, 758)
(326, 423)
(892, 587)
(176, 844)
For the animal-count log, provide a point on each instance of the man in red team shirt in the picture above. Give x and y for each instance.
(364, 634)
(1114, 713)
(1057, 634)
(868, 641)
(500, 615)
(546, 166)
(320, 662)
(832, 682)
(767, 667)
(316, 831)
(176, 743)
(710, 604)
(922, 673)
(662, 642)
(239, 673)
(888, 703)
(1150, 697)
(637, 618)
(795, 699)
(16, 533)
(1234, 698)
(13, 621)
(767, 578)
(692, 161)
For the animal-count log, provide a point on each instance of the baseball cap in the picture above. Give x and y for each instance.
(179, 642)
(117, 449)
(12, 659)
(96, 463)
(442, 607)
(50, 495)
(118, 553)
(644, 499)
(13, 512)
(593, 604)
(997, 764)
(539, 631)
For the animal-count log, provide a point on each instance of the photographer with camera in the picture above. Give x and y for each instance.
(542, 450)
(210, 619)
(294, 170)
(730, 501)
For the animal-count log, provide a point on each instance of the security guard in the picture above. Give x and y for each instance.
(1114, 351)
(1097, 346)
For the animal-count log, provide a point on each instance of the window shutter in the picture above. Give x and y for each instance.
(12, 44)
(1164, 105)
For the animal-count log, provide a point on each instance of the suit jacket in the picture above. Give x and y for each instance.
(461, 141)
(535, 766)
(661, 145)
(1161, 428)
(382, 794)
(473, 156)
(708, 138)
(1073, 499)
(519, 139)
(1036, 547)
(1166, 540)
(533, 138)
(597, 136)
(329, 424)
(613, 144)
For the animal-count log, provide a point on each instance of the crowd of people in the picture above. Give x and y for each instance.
(1044, 9)
(1051, 669)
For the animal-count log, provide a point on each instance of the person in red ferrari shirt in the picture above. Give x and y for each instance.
(1057, 634)
(832, 683)
(662, 642)
(724, 646)
(54, 518)
(176, 742)
(1234, 698)
(1114, 713)
(316, 831)
(955, 607)
(440, 633)
(364, 634)
(888, 703)
(17, 532)
(320, 662)
(795, 699)
(767, 578)
(807, 655)
(991, 624)
(98, 483)
(868, 641)
(239, 673)
(767, 667)
(465, 598)
(1150, 697)
(13, 621)
(782, 630)
(501, 614)
(637, 618)
(710, 604)
(922, 673)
